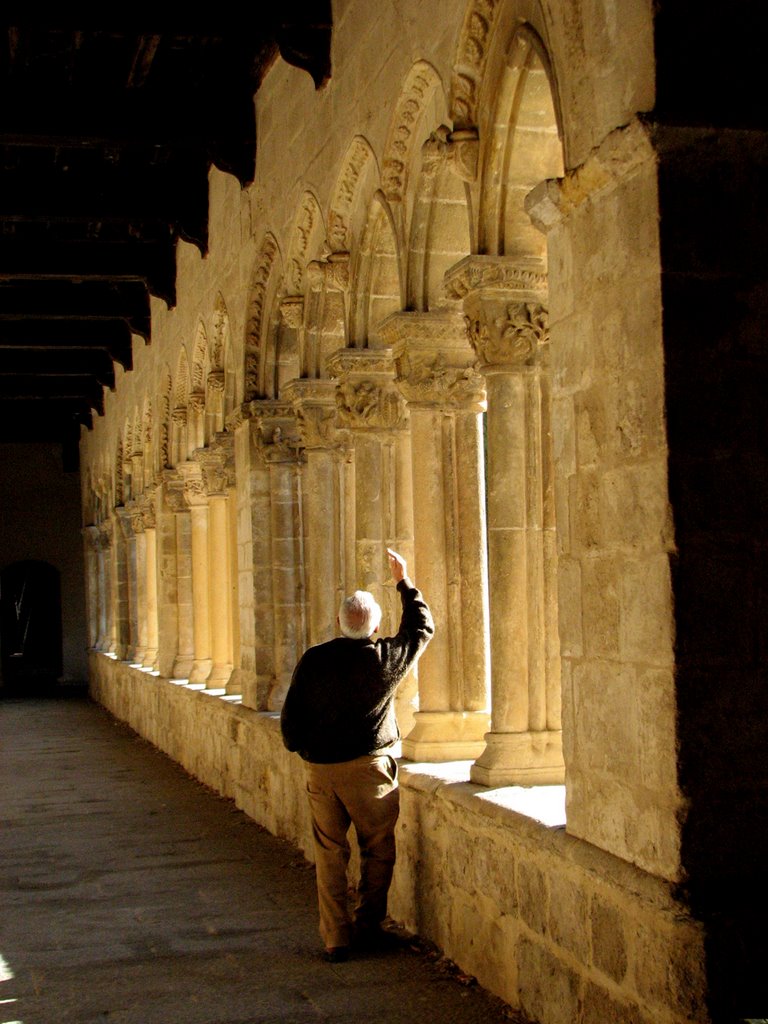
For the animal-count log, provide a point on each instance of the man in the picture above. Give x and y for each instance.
(339, 716)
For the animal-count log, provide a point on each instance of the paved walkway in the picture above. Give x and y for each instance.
(131, 894)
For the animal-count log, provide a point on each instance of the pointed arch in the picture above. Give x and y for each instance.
(264, 284)
(306, 241)
(352, 193)
(164, 410)
(523, 146)
(378, 288)
(421, 100)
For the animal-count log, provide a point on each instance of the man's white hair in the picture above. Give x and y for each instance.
(359, 615)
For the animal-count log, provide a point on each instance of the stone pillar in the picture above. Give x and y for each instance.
(254, 675)
(445, 401)
(197, 499)
(216, 463)
(139, 583)
(315, 404)
(279, 446)
(507, 322)
(124, 585)
(370, 407)
(149, 520)
(113, 542)
(103, 551)
(177, 562)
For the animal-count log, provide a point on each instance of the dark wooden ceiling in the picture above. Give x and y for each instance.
(107, 135)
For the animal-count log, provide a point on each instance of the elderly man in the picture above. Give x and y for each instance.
(339, 716)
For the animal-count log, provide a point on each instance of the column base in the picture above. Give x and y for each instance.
(182, 666)
(150, 658)
(219, 676)
(238, 683)
(446, 736)
(520, 759)
(201, 669)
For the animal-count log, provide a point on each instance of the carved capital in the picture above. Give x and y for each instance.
(366, 398)
(147, 512)
(195, 492)
(507, 333)
(459, 150)
(215, 380)
(179, 416)
(367, 405)
(433, 358)
(292, 311)
(133, 510)
(429, 380)
(197, 401)
(276, 432)
(314, 403)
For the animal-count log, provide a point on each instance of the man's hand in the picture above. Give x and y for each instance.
(397, 565)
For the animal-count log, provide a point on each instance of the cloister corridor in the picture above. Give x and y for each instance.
(134, 895)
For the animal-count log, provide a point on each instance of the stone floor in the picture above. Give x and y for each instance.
(131, 894)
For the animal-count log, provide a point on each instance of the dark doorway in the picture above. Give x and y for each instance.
(30, 627)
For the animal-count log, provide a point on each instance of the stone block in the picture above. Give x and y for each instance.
(548, 987)
(600, 584)
(533, 895)
(609, 948)
(568, 924)
(647, 622)
(602, 1007)
(569, 593)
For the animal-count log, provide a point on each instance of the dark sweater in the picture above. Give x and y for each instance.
(339, 705)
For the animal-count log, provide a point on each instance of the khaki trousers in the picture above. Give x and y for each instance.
(363, 793)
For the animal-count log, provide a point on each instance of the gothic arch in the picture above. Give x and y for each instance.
(306, 241)
(264, 284)
(148, 443)
(441, 222)
(421, 101)
(377, 287)
(164, 410)
(522, 147)
(354, 187)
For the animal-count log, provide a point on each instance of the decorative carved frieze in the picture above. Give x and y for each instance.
(472, 57)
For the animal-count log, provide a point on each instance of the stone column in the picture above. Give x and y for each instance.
(124, 582)
(149, 520)
(216, 463)
(445, 401)
(507, 322)
(177, 561)
(103, 551)
(315, 404)
(112, 543)
(197, 499)
(138, 583)
(254, 675)
(370, 407)
(279, 446)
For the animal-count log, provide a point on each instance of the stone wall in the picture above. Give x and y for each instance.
(556, 927)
